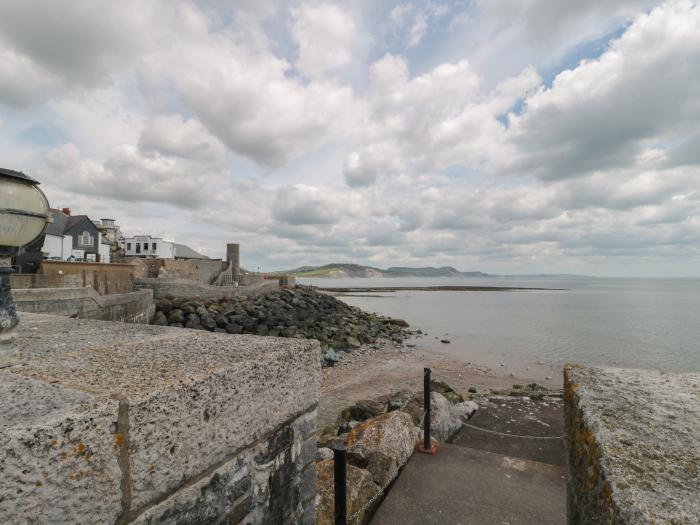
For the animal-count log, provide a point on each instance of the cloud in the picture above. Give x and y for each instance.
(387, 135)
(80, 42)
(247, 98)
(305, 206)
(605, 112)
(187, 139)
(326, 36)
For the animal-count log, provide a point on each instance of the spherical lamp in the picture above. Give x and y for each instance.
(24, 214)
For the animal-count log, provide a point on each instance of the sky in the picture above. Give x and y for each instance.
(538, 136)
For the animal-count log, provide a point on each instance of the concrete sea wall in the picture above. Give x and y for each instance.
(106, 423)
(633, 446)
(86, 303)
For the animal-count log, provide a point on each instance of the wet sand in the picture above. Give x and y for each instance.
(369, 373)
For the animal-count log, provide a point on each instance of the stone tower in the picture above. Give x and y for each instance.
(233, 256)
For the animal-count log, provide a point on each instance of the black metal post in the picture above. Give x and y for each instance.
(426, 407)
(339, 482)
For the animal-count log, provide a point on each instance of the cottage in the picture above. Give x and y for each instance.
(74, 237)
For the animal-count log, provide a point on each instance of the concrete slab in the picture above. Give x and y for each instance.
(106, 419)
(465, 486)
(634, 446)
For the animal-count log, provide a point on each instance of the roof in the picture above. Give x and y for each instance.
(58, 226)
(76, 219)
(185, 252)
(63, 222)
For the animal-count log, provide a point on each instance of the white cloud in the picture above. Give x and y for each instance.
(644, 90)
(267, 125)
(326, 36)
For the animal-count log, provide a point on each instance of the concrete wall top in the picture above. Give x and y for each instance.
(106, 420)
(76, 267)
(633, 446)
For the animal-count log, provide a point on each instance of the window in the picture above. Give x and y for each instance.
(128, 246)
(153, 246)
(138, 247)
(145, 246)
(85, 239)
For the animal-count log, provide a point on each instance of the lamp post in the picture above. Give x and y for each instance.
(24, 214)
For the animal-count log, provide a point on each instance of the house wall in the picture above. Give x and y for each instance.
(76, 231)
(105, 253)
(164, 249)
(53, 246)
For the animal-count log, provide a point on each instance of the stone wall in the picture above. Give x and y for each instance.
(187, 288)
(632, 446)
(104, 278)
(86, 303)
(145, 424)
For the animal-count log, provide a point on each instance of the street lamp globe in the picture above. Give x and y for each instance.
(24, 210)
(24, 214)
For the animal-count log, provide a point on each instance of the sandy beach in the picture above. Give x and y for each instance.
(371, 372)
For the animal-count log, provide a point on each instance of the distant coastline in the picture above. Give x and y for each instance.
(349, 270)
(352, 271)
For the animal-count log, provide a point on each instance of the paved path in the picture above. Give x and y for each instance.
(484, 479)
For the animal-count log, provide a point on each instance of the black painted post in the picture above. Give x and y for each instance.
(426, 407)
(339, 482)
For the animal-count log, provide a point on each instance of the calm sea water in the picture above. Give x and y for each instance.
(643, 323)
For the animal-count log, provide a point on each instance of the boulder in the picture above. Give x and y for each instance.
(323, 453)
(446, 418)
(383, 444)
(159, 319)
(330, 358)
(360, 489)
(165, 306)
(176, 317)
(446, 390)
(363, 410)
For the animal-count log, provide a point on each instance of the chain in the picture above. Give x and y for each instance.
(509, 435)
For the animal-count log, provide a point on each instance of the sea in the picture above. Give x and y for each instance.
(639, 323)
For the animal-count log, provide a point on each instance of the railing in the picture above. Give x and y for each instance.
(340, 463)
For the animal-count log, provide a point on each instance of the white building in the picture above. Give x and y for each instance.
(57, 246)
(147, 246)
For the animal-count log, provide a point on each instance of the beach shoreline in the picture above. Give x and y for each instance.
(386, 367)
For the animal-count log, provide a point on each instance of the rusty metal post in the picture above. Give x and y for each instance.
(339, 482)
(426, 408)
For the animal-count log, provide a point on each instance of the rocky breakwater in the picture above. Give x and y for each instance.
(300, 313)
(380, 435)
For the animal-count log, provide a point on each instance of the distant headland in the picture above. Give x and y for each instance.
(342, 270)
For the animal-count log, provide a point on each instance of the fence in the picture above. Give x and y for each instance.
(340, 462)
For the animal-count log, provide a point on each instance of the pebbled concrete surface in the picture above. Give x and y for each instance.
(633, 446)
(106, 419)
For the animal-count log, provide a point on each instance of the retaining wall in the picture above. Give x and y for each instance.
(187, 288)
(106, 423)
(632, 446)
(86, 303)
(103, 277)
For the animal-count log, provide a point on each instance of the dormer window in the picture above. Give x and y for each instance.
(85, 239)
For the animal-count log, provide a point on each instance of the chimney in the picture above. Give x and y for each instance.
(66, 211)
